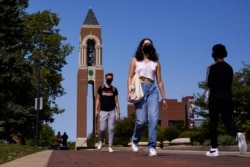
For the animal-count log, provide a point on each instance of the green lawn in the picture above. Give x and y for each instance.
(9, 152)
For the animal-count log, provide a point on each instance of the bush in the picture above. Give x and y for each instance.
(91, 140)
(71, 145)
(171, 133)
(197, 137)
(187, 133)
(124, 131)
(224, 140)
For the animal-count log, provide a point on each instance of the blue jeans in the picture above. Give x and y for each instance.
(147, 110)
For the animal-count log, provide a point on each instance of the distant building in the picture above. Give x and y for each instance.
(176, 112)
(199, 119)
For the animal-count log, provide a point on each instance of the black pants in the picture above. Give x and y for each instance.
(223, 107)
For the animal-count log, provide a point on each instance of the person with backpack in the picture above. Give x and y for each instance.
(108, 109)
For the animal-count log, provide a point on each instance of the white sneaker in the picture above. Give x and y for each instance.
(99, 146)
(152, 152)
(213, 152)
(134, 146)
(110, 150)
(242, 145)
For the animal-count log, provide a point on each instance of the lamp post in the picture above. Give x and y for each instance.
(38, 100)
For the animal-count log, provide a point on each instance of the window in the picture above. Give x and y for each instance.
(91, 52)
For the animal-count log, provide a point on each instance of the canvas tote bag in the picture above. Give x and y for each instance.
(136, 89)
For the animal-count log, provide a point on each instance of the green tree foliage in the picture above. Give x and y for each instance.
(15, 73)
(47, 136)
(23, 45)
(241, 96)
(52, 53)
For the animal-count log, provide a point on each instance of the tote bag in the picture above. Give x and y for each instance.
(136, 89)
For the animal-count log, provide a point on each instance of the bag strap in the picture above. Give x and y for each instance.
(111, 85)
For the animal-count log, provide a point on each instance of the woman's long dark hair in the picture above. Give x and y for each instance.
(139, 55)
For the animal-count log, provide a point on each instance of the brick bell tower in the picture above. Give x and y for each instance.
(90, 71)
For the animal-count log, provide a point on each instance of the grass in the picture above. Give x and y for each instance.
(9, 152)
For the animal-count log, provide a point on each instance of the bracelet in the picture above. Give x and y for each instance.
(163, 99)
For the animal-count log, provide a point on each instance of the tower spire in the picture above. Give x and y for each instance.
(90, 18)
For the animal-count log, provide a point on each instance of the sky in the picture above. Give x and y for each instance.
(183, 32)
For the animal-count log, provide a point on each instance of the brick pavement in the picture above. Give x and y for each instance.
(126, 158)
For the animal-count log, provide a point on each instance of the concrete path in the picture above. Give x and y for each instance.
(39, 159)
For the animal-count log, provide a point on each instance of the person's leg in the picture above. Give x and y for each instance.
(214, 116)
(103, 124)
(153, 116)
(140, 111)
(111, 126)
(227, 117)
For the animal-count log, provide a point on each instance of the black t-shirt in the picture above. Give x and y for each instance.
(219, 80)
(107, 97)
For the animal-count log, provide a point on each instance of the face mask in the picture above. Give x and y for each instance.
(109, 81)
(147, 49)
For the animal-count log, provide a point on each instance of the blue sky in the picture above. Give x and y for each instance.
(183, 32)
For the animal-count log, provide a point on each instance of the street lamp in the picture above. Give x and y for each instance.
(38, 99)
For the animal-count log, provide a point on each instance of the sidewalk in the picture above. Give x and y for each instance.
(39, 159)
(124, 157)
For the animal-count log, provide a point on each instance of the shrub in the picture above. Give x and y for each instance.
(91, 140)
(224, 140)
(171, 133)
(197, 137)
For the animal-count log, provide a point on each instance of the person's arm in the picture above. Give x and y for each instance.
(117, 106)
(130, 76)
(97, 105)
(161, 85)
(208, 77)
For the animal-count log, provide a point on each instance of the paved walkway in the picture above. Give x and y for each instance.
(126, 158)
(39, 159)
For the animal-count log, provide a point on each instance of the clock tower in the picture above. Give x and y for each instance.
(90, 72)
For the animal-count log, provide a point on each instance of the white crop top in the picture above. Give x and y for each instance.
(146, 69)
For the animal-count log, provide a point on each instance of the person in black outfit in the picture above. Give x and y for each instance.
(219, 81)
(107, 108)
(64, 139)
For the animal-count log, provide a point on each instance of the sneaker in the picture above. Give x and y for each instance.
(134, 146)
(213, 152)
(152, 152)
(242, 145)
(110, 150)
(99, 146)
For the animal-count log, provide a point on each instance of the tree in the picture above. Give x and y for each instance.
(22, 45)
(241, 96)
(15, 73)
(53, 53)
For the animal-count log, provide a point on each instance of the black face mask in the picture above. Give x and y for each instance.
(148, 49)
(109, 81)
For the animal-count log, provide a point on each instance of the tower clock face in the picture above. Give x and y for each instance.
(91, 72)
